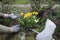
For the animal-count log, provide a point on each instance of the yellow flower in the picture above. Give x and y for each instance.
(35, 13)
(21, 14)
(28, 14)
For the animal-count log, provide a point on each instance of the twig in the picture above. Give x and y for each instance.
(34, 31)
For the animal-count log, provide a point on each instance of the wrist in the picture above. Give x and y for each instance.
(6, 15)
(11, 30)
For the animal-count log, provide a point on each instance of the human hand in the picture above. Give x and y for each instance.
(15, 28)
(12, 16)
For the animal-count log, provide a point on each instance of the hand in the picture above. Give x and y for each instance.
(12, 16)
(15, 28)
